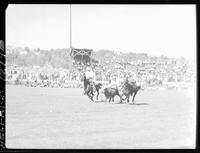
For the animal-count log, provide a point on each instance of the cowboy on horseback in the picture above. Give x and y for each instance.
(113, 83)
(130, 87)
(89, 78)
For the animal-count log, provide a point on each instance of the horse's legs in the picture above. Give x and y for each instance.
(84, 87)
(128, 98)
(92, 98)
(92, 95)
(124, 98)
(89, 94)
(97, 95)
(120, 98)
(113, 99)
(134, 96)
(110, 99)
(106, 98)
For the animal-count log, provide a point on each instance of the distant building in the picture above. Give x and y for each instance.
(82, 56)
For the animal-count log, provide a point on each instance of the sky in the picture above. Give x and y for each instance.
(168, 30)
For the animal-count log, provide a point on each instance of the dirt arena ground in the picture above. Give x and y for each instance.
(64, 119)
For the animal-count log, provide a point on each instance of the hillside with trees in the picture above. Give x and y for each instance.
(60, 58)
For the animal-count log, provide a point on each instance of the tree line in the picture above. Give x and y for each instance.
(60, 58)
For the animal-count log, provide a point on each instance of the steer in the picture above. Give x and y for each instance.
(110, 93)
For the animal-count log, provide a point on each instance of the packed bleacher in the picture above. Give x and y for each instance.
(56, 68)
(150, 74)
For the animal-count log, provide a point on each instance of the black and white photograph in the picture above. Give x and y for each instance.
(88, 76)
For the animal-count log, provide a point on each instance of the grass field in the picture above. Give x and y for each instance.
(64, 118)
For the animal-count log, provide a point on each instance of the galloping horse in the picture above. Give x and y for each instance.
(128, 89)
(90, 87)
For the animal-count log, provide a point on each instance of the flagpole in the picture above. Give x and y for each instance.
(70, 30)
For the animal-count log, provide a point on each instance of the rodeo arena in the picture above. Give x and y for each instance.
(101, 104)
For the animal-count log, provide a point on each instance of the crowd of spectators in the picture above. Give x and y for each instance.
(168, 73)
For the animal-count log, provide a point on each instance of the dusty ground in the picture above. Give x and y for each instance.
(64, 118)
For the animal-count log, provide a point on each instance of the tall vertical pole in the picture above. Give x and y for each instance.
(70, 28)
(70, 33)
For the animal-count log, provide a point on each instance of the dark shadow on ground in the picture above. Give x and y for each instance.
(99, 101)
(138, 103)
(130, 103)
(102, 101)
(120, 103)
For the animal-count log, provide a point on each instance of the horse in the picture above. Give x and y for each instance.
(128, 89)
(110, 93)
(90, 88)
(89, 91)
(86, 82)
(97, 88)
